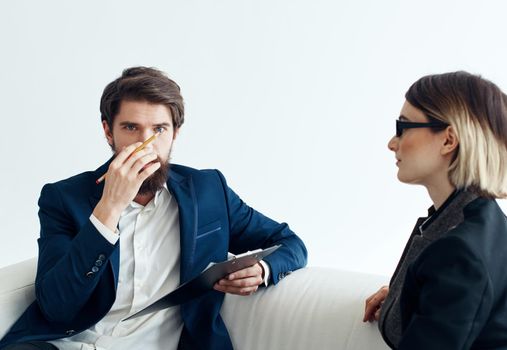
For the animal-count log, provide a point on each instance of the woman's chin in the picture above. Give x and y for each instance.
(404, 178)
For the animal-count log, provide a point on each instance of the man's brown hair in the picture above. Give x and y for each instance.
(142, 84)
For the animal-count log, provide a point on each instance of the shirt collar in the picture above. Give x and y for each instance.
(159, 195)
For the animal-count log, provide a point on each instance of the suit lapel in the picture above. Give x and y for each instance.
(183, 190)
(450, 216)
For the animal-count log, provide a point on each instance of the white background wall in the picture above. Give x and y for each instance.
(293, 100)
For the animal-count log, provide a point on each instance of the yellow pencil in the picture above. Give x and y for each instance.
(141, 147)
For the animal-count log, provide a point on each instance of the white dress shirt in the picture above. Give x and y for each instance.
(149, 269)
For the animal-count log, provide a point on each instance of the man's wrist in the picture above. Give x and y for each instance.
(111, 236)
(107, 215)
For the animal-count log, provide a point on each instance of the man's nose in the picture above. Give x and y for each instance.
(145, 135)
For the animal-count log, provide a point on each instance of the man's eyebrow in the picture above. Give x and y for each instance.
(128, 123)
(162, 124)
(137, 124)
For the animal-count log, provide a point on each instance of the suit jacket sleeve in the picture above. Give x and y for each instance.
(446, 298)
(250, 230)
(68, 269)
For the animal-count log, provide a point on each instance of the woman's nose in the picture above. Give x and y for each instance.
(393, 143)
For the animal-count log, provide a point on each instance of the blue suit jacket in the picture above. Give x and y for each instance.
(78, 268)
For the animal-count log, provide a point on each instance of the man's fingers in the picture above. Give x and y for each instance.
(251, 271)
(140, 161)
(242, 282)
(125, 153)
(235, 290)
(143, 175)
(135, 156)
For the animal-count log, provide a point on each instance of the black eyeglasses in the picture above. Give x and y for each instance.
(402, 125)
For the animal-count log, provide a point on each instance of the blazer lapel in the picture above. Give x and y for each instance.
(183, 190)
(450, 217)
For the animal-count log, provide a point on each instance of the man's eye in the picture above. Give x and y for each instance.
(130, 127)
(159, 129)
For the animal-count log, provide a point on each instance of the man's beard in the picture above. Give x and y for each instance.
(155, 181)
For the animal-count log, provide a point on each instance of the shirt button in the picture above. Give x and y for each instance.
(98, 263)
(95, 269)
(102, 257)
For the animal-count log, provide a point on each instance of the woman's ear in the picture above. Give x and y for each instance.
(451, 141)
(107, 133)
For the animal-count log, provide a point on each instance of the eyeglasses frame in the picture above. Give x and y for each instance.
(402, 125)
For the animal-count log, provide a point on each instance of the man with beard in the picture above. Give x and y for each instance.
(108, 250)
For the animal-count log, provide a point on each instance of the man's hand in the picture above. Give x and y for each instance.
(124, 177)
(242, 282)
(374, 304)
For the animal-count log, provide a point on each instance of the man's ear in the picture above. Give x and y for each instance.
(451, 141)
(176, 133)
(107, 133)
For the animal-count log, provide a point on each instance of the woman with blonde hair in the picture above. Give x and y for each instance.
(449, 290)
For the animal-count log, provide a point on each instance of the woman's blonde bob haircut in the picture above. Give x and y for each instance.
(477, 111)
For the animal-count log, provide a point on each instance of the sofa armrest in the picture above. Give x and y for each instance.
(312, 308)
(17, 291)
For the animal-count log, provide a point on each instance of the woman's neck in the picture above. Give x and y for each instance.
(440, 191)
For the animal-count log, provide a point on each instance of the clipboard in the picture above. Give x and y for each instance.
(206, 280)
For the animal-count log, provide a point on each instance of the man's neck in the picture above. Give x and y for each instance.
(144, 199)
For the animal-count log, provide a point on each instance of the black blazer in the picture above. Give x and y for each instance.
(455, 293)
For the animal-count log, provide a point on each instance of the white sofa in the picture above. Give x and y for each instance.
(313, 308)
